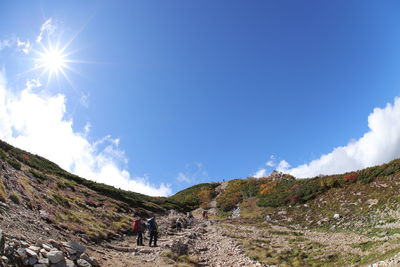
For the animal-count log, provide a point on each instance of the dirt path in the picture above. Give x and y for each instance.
(208, 246)
(217, 249)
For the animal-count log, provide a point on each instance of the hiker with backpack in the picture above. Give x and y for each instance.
(139, 227)
(153, 230)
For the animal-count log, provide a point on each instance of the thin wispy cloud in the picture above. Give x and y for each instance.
(47, 29)
(194, 172)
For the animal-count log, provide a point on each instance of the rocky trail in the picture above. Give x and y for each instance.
(202, 244)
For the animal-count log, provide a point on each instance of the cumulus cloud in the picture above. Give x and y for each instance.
(47, 29)
(379, 145)
(194, 172)
(36, 122)
(260, 173)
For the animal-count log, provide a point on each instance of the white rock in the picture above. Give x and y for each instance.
(46, 247)
(55, 256)
(34, 248)
(83, 263)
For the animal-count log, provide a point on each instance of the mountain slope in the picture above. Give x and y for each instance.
(45, 191)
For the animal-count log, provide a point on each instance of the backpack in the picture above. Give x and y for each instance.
(135, 225)
(151, 225)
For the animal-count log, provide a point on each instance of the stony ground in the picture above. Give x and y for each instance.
(206, 243)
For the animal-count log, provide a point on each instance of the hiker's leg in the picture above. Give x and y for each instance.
(155, 239)
(151, 238)
(139, 239)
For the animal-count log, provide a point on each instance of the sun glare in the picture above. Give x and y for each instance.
(52, 60)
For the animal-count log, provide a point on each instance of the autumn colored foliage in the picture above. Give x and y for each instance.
(351, 177)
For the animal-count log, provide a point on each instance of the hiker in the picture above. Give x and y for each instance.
(153, 230)
(139, 227)
(205, 215)
(179, 224)
(190, 218)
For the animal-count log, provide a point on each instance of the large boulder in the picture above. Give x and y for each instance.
(55, 256)
(76, 246)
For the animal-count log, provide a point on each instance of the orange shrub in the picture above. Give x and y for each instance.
(351, 177)
(268, 187)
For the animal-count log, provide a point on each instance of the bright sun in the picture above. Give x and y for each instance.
(52, 60)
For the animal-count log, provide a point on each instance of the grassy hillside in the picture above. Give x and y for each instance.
(42, 168)
(284, 190)
(68, 202)
(196, 196)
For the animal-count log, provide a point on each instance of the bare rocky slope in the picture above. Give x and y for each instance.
(49, 217)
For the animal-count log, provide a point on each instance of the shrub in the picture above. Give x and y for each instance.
(3, 154)
(351, 177)
(3, 194)
(15, 164)
(61, 200)
(293, 199)
(231, 196)
(205, 197)
(268, 187)
(250, 188)
(38, 175)
(191, 198)
(14, 197)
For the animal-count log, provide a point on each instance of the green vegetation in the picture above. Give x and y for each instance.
(43, 169)
(14, 197)
(182, 260)
(39, 176)
(3, 194)
(61, 200)
(193, 197)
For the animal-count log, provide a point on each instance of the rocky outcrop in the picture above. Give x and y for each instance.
(17, 252)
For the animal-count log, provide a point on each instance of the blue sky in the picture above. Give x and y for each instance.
(167, 94)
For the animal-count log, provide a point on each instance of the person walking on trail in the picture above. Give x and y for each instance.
(190, 217)
(205, 214)
(153, 231)
(179, 224)
(139, 227)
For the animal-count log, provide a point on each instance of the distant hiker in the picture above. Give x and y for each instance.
(139, 227)
(190, 218)
(179, 224)
(153, 230)
(205, 215)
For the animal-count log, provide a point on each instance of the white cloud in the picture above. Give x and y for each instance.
(270, 163)
(283, 165)
(32, 83)
(37, 122)
(379, 145)
(25, 47)
(182, 177)
(260, 173)
(5, 43)
(47, 29)
(194, 172)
